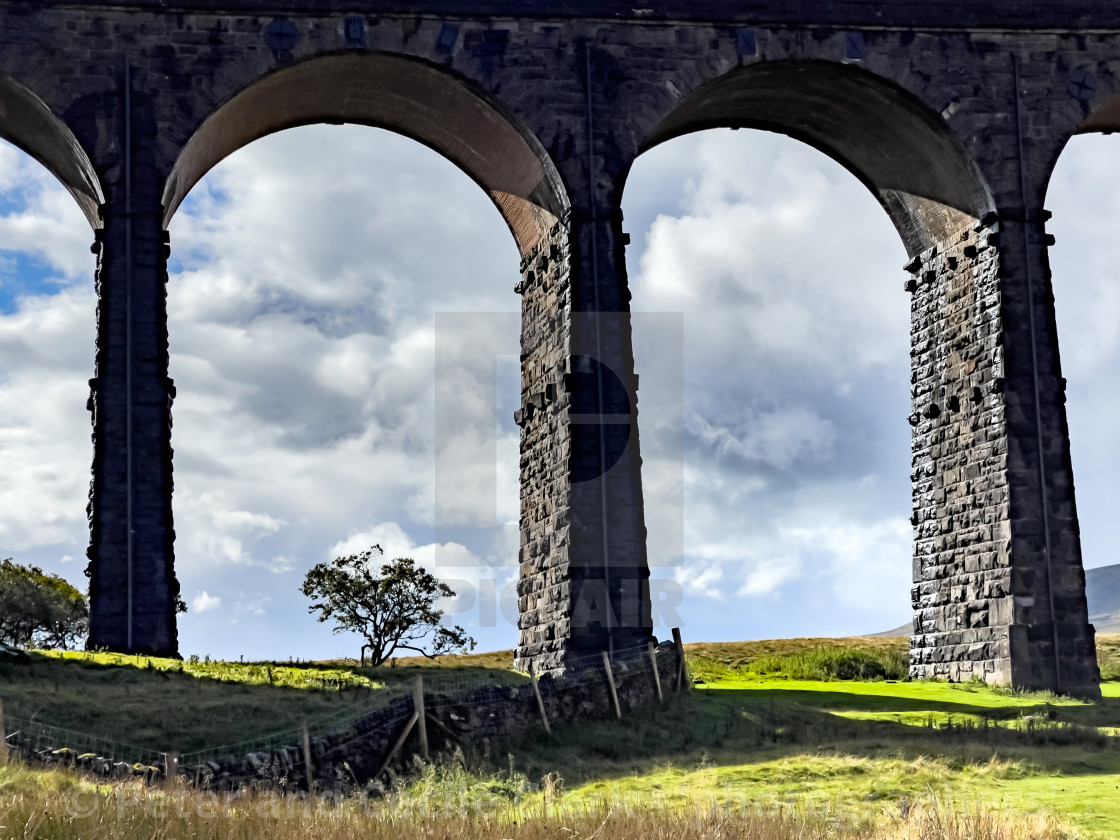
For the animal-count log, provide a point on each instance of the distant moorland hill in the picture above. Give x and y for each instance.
(1102, 590)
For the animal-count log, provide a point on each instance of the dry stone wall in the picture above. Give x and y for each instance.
(352, 757)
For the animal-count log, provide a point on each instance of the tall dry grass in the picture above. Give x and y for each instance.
(64, 808)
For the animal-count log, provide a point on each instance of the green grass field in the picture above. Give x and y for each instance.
(756, 736)
(167, 704)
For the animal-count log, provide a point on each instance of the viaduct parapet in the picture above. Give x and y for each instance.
(952, 113)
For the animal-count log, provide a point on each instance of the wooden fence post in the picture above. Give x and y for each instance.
(3, 738)
(540, 700)
(400, 741)
(170, 768)
(610, 682)
(656, 673)
(307, 759)
(682, 671)
(421, 720)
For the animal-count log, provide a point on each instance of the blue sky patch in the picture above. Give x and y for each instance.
(24, 275)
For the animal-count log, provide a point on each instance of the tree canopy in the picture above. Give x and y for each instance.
(393, 608)
(39, 609)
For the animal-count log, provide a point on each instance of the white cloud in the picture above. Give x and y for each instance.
(778, 438)
(867, 560)
(46, 223)
(795, 358)
(46, 358)
(776, 255)
(766, 579)
(245, 521)
(701, 580)
(1084, 197)
(476, 583)
(307, 270)
(205, 602)
(252, 606)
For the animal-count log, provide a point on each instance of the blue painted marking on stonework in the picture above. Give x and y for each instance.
(1082, 85)
(355, 33)
(853, 45)
(745, 42)
(448, 35)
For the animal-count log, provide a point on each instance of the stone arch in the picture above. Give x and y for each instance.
(1104, 118)
(889, 139)
(1066, 275)
(401, 94)
(27, 122)
(966, 622)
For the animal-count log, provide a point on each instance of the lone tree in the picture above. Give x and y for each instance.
(38, 609)
(394, 610)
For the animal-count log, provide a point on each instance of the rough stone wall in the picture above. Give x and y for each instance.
(348, 758)
(940, 14)
(593, 84)
(544, 587)
(483, 714)
(583, 578)
(133, 587)
(962, 573)
(610, 574)
(1052, 642)
(984, 575)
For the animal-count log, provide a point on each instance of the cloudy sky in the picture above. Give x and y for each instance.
(319, 274)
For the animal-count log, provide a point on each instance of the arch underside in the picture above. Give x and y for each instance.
(27, 122)
(402, 95)
(903, 152)
(1105, 119)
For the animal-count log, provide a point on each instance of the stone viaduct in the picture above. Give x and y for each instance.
(952, 113)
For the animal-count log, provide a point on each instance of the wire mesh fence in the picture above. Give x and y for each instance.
(56, 744)
(467, 701)
(379, 700)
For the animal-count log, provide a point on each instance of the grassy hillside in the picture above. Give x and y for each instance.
(844, 746)
(1102, 591)
(167, 704)
(828, 756)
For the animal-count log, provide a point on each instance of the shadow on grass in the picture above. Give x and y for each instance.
(729, 727)
(166, 709)
(161, 705)
(1105, 712)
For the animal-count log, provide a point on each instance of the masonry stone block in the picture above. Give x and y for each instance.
(951, 113)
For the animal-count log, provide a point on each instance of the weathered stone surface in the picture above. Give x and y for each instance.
(346, 758)
(962, 594)
(951, 113)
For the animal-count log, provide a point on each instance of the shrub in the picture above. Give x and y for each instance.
(835, 664)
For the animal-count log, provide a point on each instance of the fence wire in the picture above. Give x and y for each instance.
(384, 712)
(66, 745)
(319, 727)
